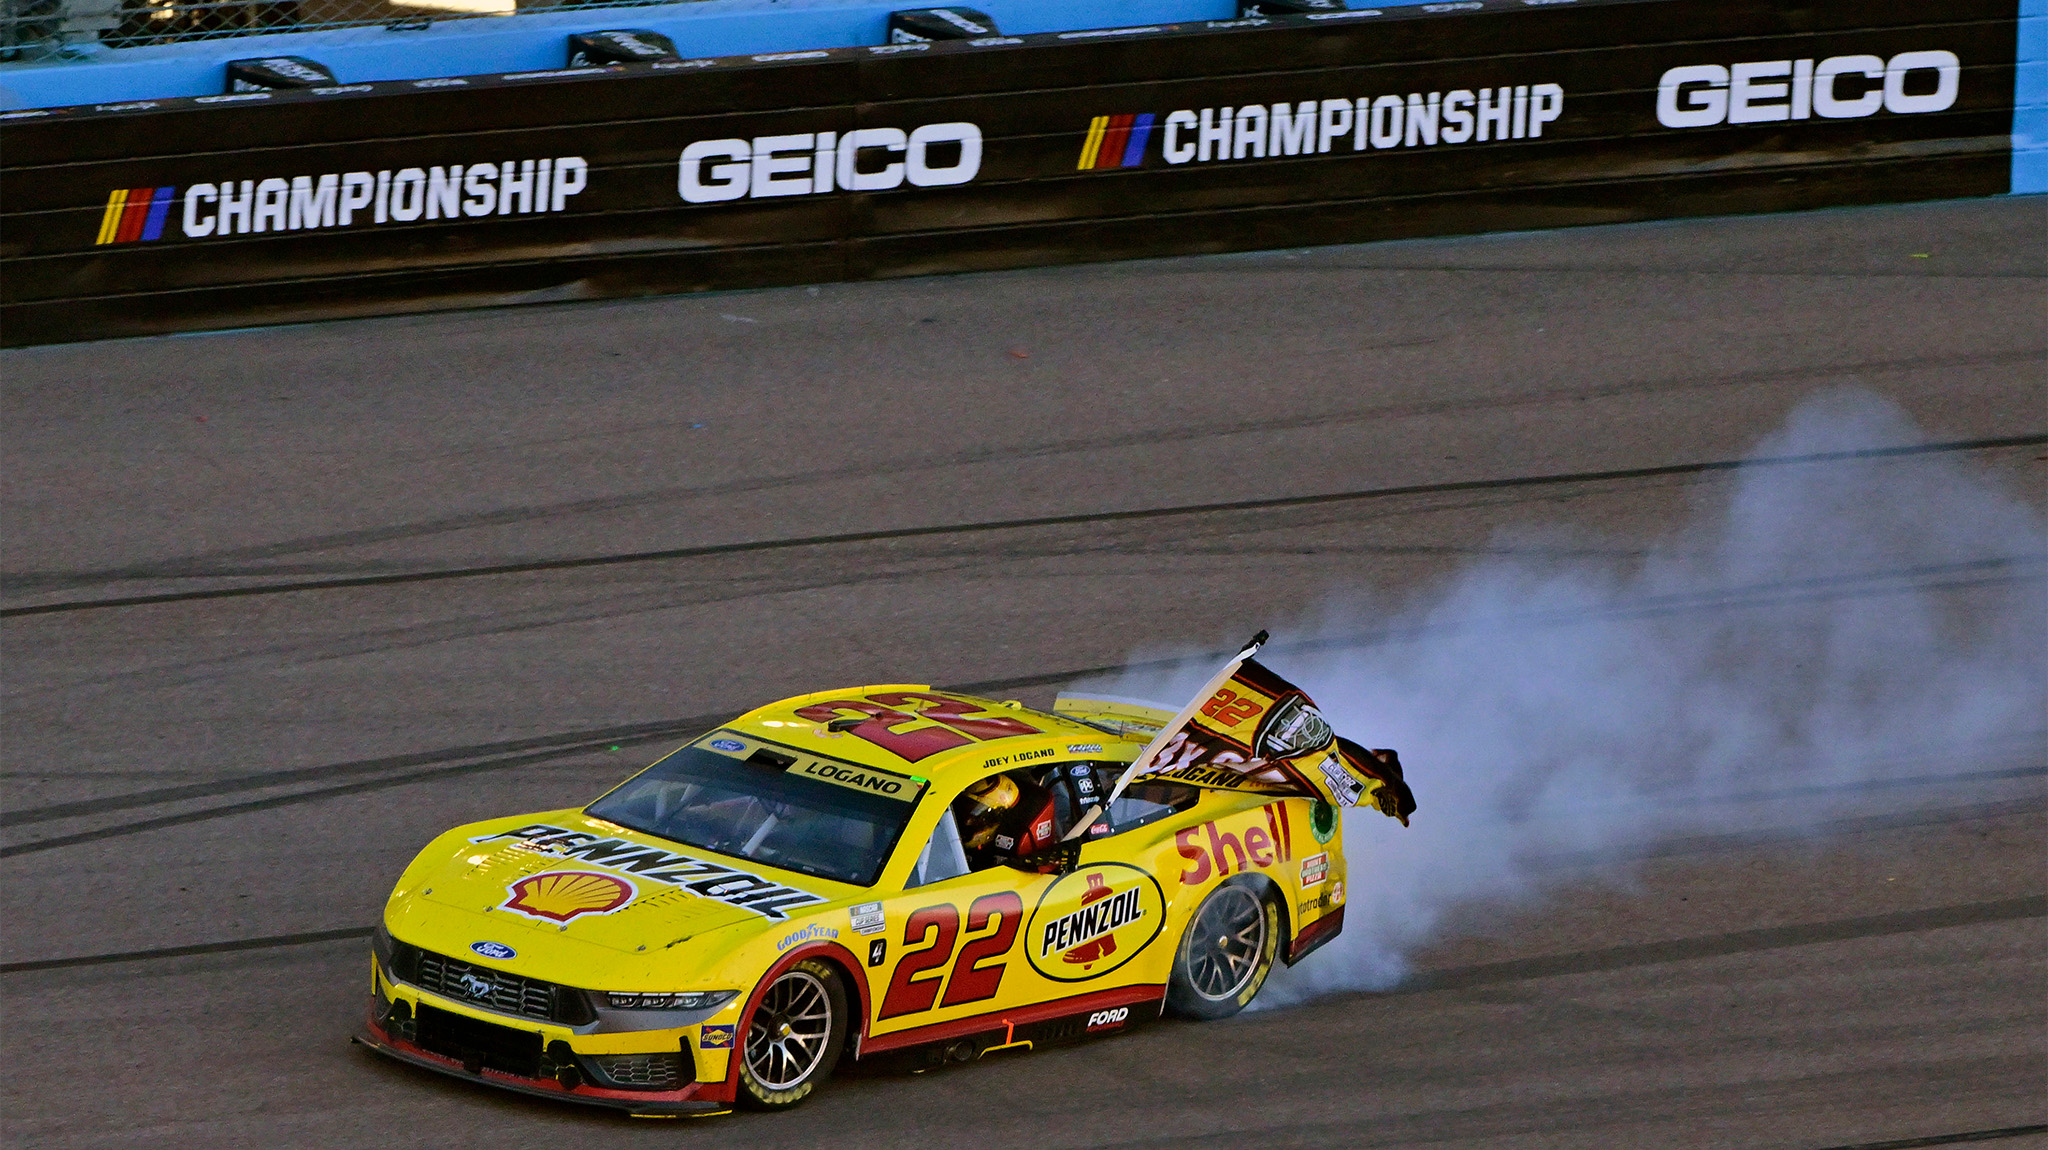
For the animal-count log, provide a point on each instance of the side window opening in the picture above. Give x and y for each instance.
(943, 856)
(1143, 802)
(1007, 817)
(1028, 813)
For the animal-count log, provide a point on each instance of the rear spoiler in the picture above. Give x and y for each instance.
(1128, 718)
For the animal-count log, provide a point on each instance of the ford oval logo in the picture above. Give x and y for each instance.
(727, 745)
(497, 950)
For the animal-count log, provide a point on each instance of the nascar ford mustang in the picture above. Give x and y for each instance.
(878, 870)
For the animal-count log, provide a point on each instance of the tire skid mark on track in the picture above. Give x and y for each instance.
(549, 747)
(1848, 825)
(1956, 1139)
(613, 606)
(124, 829)
(564, 742)
(1080, 518)
(196, 566)
(670, 595)
(485, 754)
(269, 942)
(1732, 942)
(1304, 267)
(1513, 1124)
(1447, 979)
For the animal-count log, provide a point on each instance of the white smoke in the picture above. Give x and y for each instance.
(1812, 630)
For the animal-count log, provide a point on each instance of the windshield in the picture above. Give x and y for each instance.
(777, 805)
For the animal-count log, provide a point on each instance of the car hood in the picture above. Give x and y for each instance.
(567, 874)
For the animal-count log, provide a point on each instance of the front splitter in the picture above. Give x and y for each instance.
(692, 1108)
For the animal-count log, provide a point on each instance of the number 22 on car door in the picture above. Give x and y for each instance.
(956, 951)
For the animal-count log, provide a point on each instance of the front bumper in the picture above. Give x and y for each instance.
(690, 1099)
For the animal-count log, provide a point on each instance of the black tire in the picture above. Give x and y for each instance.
(791, 1042)
(1226, 954)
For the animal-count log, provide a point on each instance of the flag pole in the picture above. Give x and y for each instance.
(1165, 735)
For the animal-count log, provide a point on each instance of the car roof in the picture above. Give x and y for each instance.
(978, 742)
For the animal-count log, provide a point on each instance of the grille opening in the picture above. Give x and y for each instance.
(474, 1042)
(636, 1071)
(490, 989)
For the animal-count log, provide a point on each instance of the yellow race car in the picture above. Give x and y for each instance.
(841, 876)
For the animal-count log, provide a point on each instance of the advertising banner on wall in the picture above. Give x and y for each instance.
(1006, 151)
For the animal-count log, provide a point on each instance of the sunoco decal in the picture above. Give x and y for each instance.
(706, 879)
(1093, 921)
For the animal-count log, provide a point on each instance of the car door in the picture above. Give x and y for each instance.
(950, 941)
(1005, 942)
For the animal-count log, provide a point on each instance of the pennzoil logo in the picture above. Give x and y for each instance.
(705, 879)
(1093, 921)
(559, 896)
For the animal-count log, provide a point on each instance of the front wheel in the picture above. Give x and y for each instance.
(1226, 953)
(794, 1037)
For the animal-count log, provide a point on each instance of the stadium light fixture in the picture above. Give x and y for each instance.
(278, 73)
(620, 46)
(921, 25)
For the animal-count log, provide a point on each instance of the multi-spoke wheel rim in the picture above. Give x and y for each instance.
(787, 1036)
(1226, 943)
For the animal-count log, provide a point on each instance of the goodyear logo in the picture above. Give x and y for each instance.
(135, 214)
(1093, 921)
(811, 933)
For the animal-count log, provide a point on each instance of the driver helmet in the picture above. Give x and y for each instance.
(987, 800)
(991, 795)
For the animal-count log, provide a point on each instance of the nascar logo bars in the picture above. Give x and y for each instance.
(135, 214)
(1116, 141)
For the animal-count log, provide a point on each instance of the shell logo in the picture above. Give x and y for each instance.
(559, 896)
(1093, 921)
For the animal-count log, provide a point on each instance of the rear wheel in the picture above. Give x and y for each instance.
(793, 1037)
(1226, 953)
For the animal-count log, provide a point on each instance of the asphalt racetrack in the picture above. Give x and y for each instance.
(280, 605)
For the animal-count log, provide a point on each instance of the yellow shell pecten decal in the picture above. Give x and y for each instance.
(1094, 920)
(559, 896)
